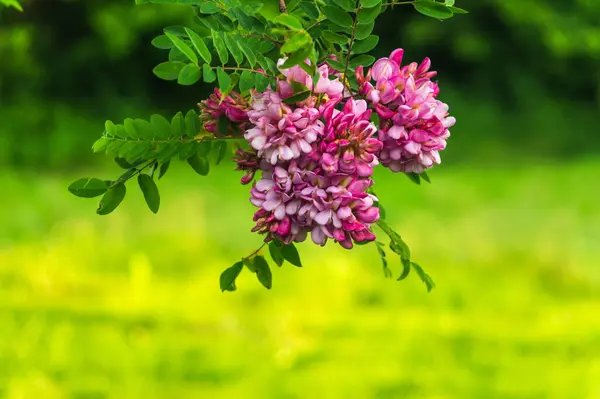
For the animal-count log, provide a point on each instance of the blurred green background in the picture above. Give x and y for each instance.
(128, 306)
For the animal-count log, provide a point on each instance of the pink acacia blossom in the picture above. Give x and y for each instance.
(349, 145)
(333, 88)
(280, 133)
(293, 202)
(234, 107)
(414, 123)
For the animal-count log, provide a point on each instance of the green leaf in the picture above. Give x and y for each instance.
(189, 75)
(143, 128)
(297, 58)
(223, 125)
(209, 8)
(296, 42)
(168, 70)
(161, 128)
(123, 163)
(177, 125)
(298, 97)
(338, 66)
(369, 3)
(425, 278)
(261, 82)
(88, 188)
(368, 15)
(220, 46)
(405, 269)
(310, 10)
(199, 164)
(224, 80)
(433, 9)
(290, 253)
(234, 49)
(248, 52)
(289, 21)
(449, 3)
(162, 42)
(364, 60)
(191, 123)
(414, 177)
(275, 252)
(220, 150)
(183, 47)
(335, 37)
(228, 277)
(337, 16)
(263, 271)
(457, 10)
(209, 75)
(150, 191)
(425, 177)
(199, 45)
(347, 5)
(130, 128)
(380, 249)
(364, 46)
(163, 169)
(246, 81)
(112, 199)
(204, 147)
(100, 144)
(364, 30)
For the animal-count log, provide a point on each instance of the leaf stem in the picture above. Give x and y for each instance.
(352, 39)
(126, 177)
(180, 140)
(235, 69)
(255, 252)
(398, 3)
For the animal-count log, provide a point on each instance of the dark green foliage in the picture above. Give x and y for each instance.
(228, 277)
(88, 188)
(275, 252)
(150, 191)
(112, 199)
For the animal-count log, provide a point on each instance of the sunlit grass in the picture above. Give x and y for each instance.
(128, 306)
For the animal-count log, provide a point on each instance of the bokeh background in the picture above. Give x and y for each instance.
(128, 306)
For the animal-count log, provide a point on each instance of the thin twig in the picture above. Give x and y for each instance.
(182, 141)
(282, 7)
(352, 39)
(255, 252)
(398, 3)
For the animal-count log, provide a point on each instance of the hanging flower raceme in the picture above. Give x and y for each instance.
(311, 135)
(413, 123)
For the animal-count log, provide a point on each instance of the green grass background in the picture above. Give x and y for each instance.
(128, 306)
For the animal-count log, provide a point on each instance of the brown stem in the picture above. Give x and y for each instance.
(282, 7)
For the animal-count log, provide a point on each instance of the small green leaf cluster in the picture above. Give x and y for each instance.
(399, 247)
(145, 149)
(258, 265)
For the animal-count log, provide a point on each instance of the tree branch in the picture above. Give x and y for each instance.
(282, 7)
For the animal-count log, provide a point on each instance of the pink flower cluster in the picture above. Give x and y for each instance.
(316, 162)
(413, 123)
(316, 153)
